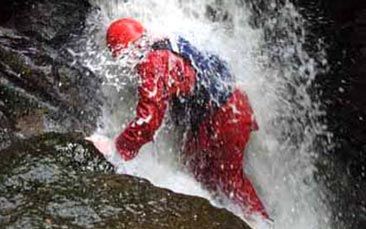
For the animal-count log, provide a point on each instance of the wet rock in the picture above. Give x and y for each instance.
(338, 28)
(42, 88)
(341, 25)
(61, 181)
(49, 21)
(216, 13)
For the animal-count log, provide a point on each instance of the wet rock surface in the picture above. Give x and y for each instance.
(60, 181)
(340, 29)
(342, 25)
(41, 87)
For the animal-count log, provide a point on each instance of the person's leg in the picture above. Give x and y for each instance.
(198, 160)
(216, 152)
(237, 186)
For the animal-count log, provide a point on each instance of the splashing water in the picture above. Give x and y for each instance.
(281, 155)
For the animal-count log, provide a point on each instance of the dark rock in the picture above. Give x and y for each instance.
(341, 25)
(62, 181)
(339, 28)
(41, 87)
(50, 21)
(216, 14)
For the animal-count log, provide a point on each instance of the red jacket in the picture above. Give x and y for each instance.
(164, 75)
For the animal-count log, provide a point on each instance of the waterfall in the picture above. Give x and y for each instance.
(269, 62)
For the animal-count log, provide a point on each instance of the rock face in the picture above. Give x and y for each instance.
(61, 181)
(41, 88)
(342, 26)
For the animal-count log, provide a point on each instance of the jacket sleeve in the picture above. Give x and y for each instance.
(150, 109)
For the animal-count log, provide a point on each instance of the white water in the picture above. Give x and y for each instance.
(280, 156)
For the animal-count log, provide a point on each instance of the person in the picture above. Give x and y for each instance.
(199, 90)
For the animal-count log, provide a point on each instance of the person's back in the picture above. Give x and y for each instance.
(213, 82)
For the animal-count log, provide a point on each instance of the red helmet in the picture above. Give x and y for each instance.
(123, 32)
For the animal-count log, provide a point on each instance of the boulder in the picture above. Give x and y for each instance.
(59, 180)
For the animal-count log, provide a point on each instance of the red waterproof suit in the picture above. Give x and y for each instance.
(216, 150)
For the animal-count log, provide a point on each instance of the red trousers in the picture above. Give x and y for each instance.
(215, 154)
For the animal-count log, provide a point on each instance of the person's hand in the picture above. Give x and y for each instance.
(106, 146)
(102, 143)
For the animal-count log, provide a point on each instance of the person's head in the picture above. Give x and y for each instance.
(122, 33)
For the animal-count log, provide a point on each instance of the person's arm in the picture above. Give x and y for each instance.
(150, 109)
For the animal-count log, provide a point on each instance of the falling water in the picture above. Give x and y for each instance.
(276, 74)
